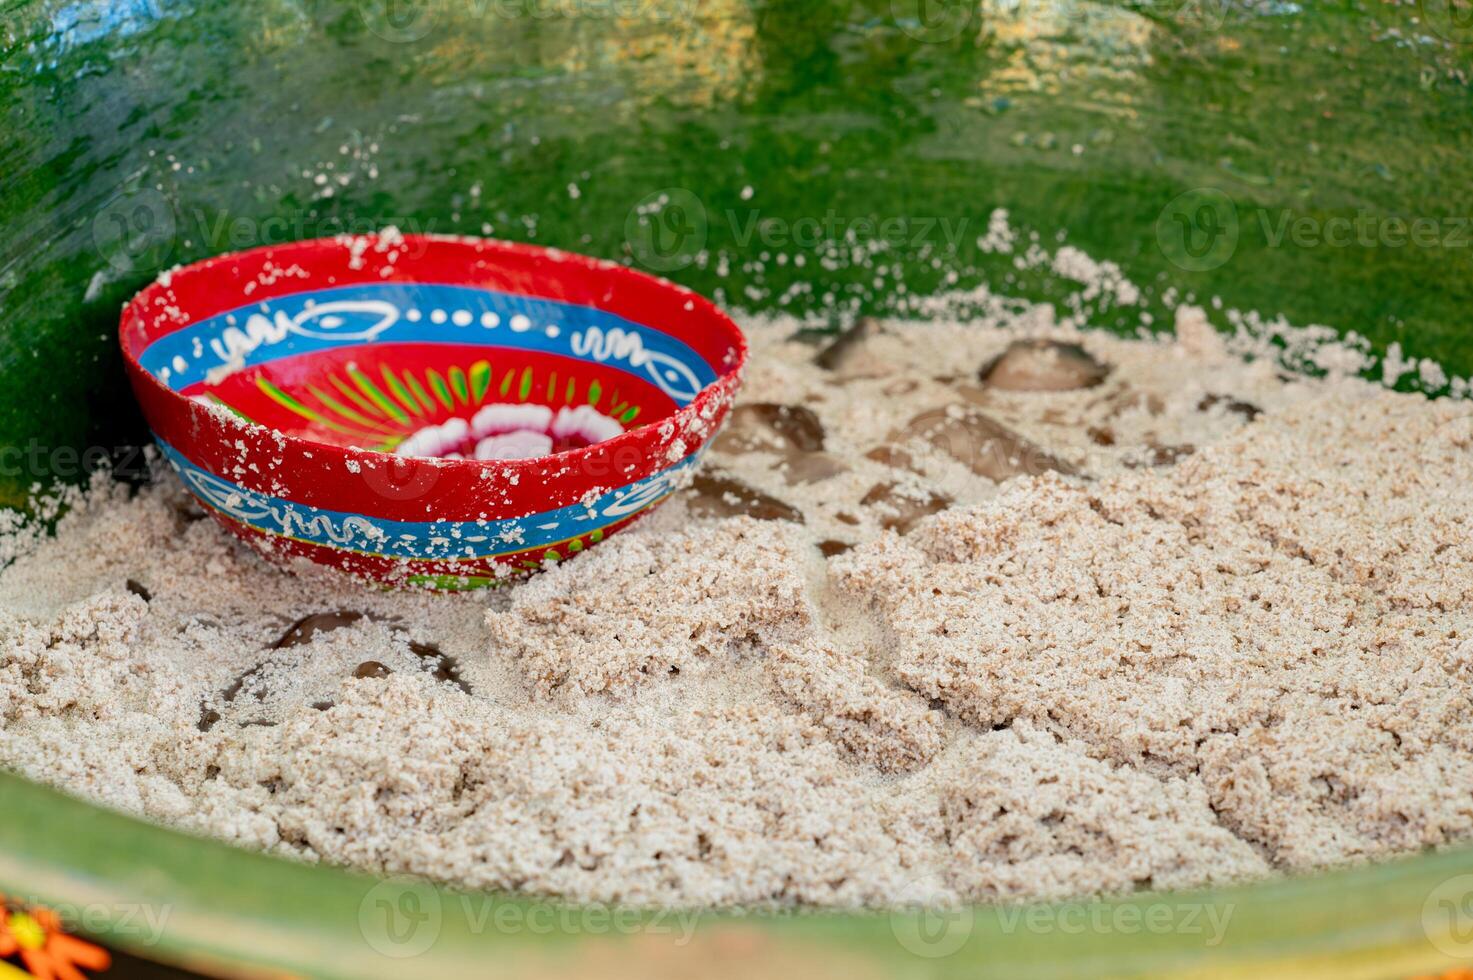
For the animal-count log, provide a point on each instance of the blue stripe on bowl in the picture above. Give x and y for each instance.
(348, 316)
(437, 540)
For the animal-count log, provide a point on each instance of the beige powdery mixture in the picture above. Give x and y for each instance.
(971, 611)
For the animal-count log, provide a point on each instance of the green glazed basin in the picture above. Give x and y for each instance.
(1308, 160)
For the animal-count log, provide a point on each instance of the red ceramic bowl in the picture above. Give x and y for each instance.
(278, 381)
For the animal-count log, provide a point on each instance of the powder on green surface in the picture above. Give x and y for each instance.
(1216, 627)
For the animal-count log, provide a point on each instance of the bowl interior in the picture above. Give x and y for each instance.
(366, 365)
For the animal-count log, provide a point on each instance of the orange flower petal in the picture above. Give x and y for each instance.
(79, 951)
(38, 963)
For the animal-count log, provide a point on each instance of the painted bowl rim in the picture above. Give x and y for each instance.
(135, 311)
